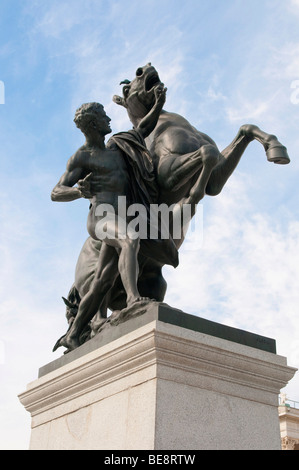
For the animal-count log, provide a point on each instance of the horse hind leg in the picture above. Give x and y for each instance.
(175, 171)
(210, 158)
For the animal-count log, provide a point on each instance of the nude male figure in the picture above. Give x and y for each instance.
(101, 175)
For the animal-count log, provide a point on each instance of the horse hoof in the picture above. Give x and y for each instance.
(278, 154)
(58, 343)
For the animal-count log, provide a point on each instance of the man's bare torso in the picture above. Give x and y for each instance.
(109, 178)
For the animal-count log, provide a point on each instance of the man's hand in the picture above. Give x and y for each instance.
(84, 187)
(160, 94)
(149, 122)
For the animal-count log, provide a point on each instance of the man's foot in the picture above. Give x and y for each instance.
(97, 326)
(134, 300)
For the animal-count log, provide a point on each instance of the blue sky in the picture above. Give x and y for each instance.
(224, 64)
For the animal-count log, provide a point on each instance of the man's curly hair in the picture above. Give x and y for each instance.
(85, 114)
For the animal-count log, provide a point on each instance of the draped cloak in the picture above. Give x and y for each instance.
(145, 191)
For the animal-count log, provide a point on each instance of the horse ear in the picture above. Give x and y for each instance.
(68, 303)
(119, 100)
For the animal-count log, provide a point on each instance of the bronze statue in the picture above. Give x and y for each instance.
(186, 165)
(103, 174)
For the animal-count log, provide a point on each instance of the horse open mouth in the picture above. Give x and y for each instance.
(151, 81)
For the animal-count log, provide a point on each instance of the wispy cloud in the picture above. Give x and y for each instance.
(293, 5)
(95, 50)
(222, 65)
(246, 109)
(247, 271)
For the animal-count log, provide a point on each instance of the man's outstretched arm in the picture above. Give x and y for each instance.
(149, 122)
(64, 190)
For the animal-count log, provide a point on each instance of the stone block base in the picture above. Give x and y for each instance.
(161, 386)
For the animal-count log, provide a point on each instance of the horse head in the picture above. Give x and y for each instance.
(138, 94)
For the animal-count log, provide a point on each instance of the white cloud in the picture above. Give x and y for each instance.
(61, 17)
(248, 109)
(294, 5)
(94, 31)
(246, 274)
(36, 270)
(215, 95)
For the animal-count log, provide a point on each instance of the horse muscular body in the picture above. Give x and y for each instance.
(188, 166)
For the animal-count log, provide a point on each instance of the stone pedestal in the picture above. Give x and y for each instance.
(161, 381)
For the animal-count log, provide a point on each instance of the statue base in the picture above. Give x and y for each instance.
(162, 380)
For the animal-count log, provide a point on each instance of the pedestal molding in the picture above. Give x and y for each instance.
(158, 351)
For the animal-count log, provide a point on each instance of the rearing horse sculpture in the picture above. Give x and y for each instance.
(188, 165)
(188, 162)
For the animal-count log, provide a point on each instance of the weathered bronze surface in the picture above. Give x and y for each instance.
(163, 160)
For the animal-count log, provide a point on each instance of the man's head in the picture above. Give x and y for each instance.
(91, 117)
(138, 94)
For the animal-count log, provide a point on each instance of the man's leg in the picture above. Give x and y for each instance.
(104, 278)
(129, 268)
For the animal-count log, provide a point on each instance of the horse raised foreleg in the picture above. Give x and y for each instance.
(231, 156)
